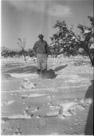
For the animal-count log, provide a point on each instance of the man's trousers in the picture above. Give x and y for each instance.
(42, 61)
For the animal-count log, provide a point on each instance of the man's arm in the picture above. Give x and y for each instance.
(47, 48)
(34, 49)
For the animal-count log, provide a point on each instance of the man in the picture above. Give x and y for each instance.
(41, 52)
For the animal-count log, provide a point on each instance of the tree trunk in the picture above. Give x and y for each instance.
(90, 55)
(24, 58)
(92, 60)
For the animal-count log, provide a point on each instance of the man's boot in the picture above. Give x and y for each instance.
(38, 71)
(43, 73)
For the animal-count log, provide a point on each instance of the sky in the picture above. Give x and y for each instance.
(26, 19)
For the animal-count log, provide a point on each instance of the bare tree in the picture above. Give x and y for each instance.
(22, 45)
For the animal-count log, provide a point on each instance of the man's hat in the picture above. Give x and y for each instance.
(40, 36)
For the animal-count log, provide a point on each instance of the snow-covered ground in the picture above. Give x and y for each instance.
(59, 105)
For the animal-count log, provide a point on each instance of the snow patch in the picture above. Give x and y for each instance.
(6, 103)
(27, 85)
(19, 116)
(67, 106)
(88, 101)
(67, 114)
(69, 109)
(54, 107)
(73, 78)
(52, 113)
(24, 75)
(54, 133)
(32, 95)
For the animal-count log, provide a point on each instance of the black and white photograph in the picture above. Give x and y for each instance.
(47, 67)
